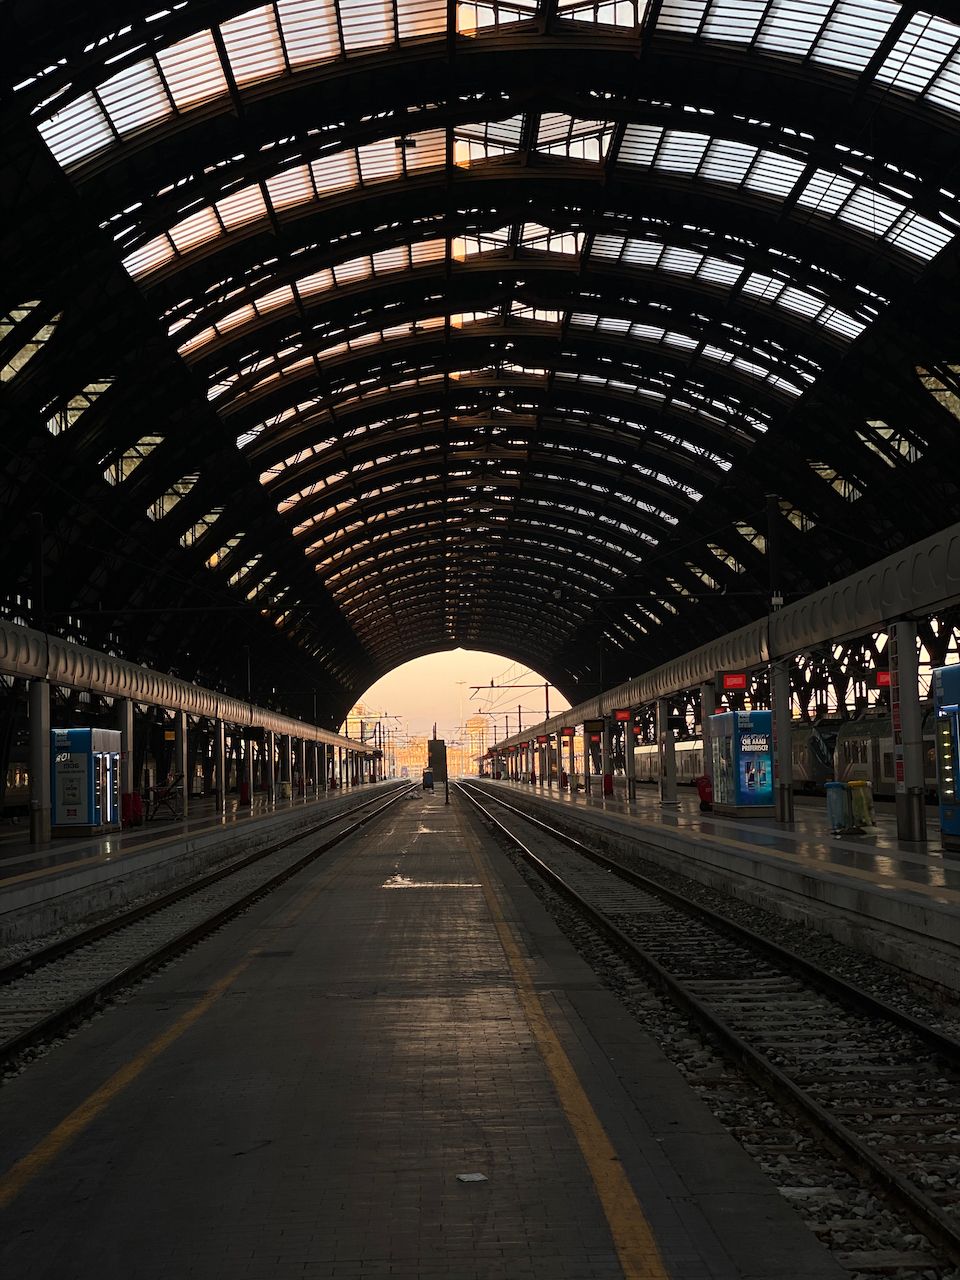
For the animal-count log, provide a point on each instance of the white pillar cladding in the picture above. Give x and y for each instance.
(782, 740)
(40, 797)
(907, 724)
(180, 757)
(668, 759)
(220, 759)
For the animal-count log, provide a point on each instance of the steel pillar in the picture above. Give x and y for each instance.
(125, 716)
(708, 705)
(630, 760)
(587, 762)
(40, 805)
(180, 757)
(220, 760)
(907, 732)
(782, 734)
(668, 758)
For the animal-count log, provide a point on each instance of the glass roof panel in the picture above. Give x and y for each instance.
(790, 27)
(135, 97)
(193, 70)
(309, 31)
(77, 130)
(735, 20)
(366, 23)
(853, 32)
(421, 17)
(253, 45)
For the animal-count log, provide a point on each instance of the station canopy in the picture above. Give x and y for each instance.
(341, 332)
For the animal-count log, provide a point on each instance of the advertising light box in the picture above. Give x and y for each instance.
(742, 745)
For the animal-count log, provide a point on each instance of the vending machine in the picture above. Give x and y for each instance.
(741, 745)
(85, 785)
(946, 703)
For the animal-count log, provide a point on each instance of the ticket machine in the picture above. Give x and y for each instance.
(946, 703)
(741, 744)
(85, 786)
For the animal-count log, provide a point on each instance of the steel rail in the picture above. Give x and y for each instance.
(927, 1215)
(57, 950)
(70, 1014)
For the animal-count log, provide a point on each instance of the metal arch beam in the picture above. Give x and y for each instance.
(481, 60)
(500, 195)
(599, 353)
(552, 281)
(410, 503)
(34, 655)
(409, 530)
(921, 579)
(622, 488)
(464, 396)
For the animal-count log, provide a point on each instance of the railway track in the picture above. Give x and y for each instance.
(45, 993)
(881, 1087)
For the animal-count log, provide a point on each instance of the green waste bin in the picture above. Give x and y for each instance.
(861, 804)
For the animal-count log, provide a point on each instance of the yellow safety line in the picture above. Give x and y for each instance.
(632, 1235)
(34, 1163)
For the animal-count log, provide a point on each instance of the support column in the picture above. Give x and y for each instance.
(271, 745)
(907, 731)
(629, 760)
(286, 748)
(606, 765)
(572, 749)
(180, 757)
(302, 765)
(316, 770)
(220, 761)
(708, 705)
(782, 733)
(39, 710)
(668, 759)
(125, 715)
(587, 762)
(340, 767)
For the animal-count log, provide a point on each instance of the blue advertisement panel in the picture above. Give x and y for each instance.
(946, 701)
(742, 746)
(754, 751)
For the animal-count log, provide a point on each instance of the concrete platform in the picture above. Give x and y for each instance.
(46, 887)
(900, 902)
(298, 1096)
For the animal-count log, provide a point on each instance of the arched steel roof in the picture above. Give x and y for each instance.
(350, 330)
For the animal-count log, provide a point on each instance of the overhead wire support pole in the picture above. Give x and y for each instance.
(779, 673)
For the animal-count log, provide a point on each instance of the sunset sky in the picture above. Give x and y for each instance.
(439, 688)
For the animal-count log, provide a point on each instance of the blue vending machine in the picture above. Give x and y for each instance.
(742, 746)
(946, 702)
(85, 785)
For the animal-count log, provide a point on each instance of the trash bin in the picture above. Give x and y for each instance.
(131, 809)
(286, 791)
(608, 784)
(839, 810)
(861, 804)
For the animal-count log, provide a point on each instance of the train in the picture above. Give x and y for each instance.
(822, 752)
